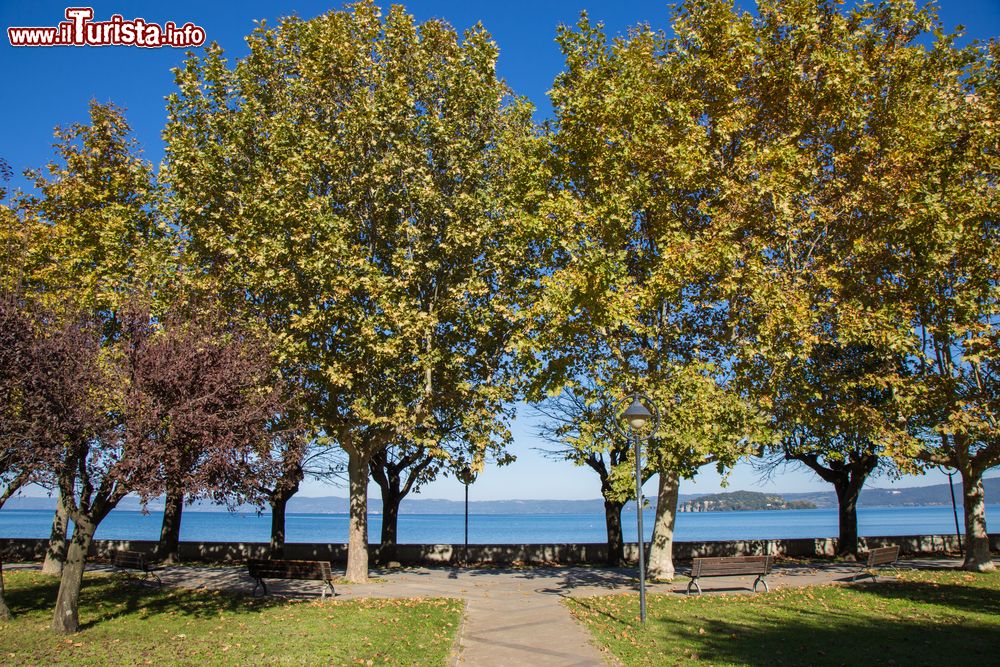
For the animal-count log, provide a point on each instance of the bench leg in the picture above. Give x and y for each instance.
(760, 580)
(864, 571)
(328, 584)
(125, 577)
(259, 583)
(693, 582)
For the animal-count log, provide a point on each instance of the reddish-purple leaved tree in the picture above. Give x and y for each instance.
(204, 407)
(129, 406)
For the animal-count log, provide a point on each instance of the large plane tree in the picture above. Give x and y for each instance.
(354, 182)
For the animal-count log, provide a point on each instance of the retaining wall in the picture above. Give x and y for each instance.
(12, 549)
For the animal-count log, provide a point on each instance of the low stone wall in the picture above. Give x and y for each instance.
(499, 554)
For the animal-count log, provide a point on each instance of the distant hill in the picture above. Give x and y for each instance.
(936, 494)
(742, 501)
(913, 496)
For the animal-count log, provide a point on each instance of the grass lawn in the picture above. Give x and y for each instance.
(126, 625)
(925, 618)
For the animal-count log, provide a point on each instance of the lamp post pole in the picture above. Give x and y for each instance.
(637, 416)
(465, 550)
(467, 477)
(638, 518)
(954, 509)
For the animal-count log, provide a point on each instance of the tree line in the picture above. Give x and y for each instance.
(360, 251)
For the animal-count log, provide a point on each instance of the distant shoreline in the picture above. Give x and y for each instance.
(936, 495)
(473, 510)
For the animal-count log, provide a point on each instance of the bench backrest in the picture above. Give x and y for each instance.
(883, 556)
(289, 569)
(701, 567)
(133, 560)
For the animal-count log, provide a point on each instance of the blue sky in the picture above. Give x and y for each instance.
(45, 87)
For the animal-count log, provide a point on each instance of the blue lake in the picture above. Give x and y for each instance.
(507, 528)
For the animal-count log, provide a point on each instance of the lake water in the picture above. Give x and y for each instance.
(507, 528)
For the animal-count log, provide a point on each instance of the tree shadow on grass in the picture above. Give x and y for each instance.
(104, 598)
(838, 641)
(955, 597)
(889, 623)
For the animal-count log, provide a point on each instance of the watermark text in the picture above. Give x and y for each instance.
(79, 29)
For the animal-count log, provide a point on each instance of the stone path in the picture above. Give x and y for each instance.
(516, 617)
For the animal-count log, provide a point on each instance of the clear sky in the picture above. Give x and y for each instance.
(45, 87)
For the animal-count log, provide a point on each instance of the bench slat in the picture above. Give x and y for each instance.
(132, 560)
(883, 556)
(290, 569)
(731, 565)
(261, 569)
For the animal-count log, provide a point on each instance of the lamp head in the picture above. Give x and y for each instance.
(637, 414)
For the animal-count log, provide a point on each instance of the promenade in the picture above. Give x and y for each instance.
(515, 616)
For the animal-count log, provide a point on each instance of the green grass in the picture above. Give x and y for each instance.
(124, 625)
(925, 618)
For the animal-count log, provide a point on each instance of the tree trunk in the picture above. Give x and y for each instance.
(661, 561)
(279, 502)
(357, 542)
(5, 614)
(387, 552)
(847, 508)
(168, 550)
(613, 522)
(55, 554)
(66, 618)
(286, 487)
(977, 542)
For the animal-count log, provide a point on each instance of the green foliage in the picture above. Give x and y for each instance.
(92, 238)
(354, 182)
(125, 625)
(634, 298)
(950, 279)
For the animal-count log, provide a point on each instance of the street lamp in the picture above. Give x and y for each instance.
(641, 425)
(467, 476)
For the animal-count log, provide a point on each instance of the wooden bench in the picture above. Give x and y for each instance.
(261, 569)
(130, 563)
(876, 559)
(728, 566)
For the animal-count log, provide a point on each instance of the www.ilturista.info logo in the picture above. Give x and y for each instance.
(79, 29)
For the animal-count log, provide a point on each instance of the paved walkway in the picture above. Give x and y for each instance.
(515, 616)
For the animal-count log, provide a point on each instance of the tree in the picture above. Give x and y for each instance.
(354, 182)
(92, 237)
(193, 384)
(73, 409)
(704, 422)
(950, 280)
(116, 409)
(457, 442)
(94, 230)
(294, 457)
(844, 427)
(580, 422)
(636, 297)
(398, 470)
(852, 165)
(55, 552)
(19, 458)
(13, 237)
